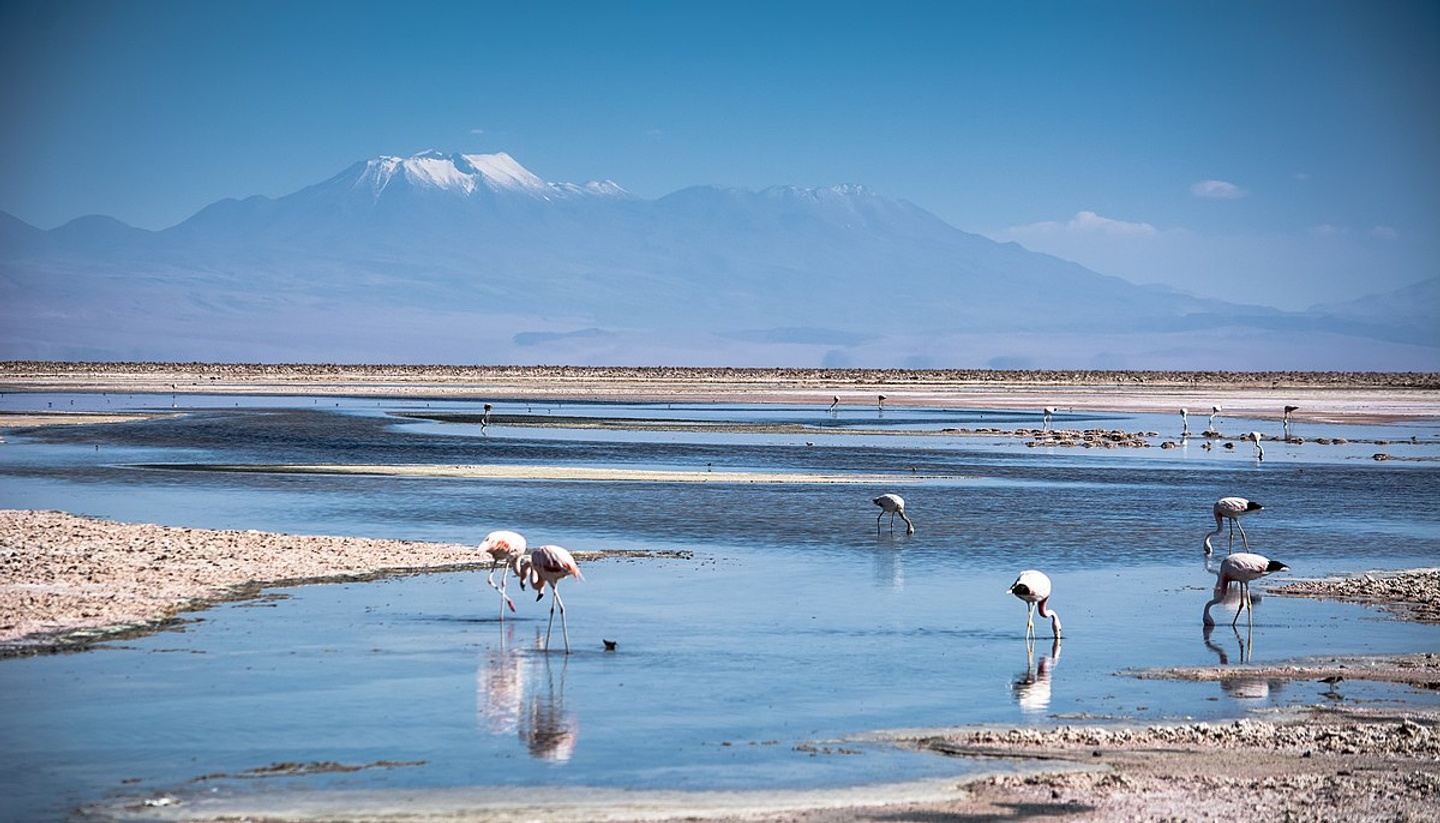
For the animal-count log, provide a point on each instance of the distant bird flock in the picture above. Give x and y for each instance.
(548, 565)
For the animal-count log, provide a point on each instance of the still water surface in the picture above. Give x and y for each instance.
(796, 624)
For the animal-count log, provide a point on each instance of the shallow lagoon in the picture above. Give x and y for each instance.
(795, 625)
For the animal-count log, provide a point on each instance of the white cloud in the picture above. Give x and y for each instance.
(1301, 176)
(1384, 233)
(1217, 190)
(1084, 223)
(477, 131)
(1328, 230)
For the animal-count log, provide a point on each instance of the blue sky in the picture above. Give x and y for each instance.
(1086, 129)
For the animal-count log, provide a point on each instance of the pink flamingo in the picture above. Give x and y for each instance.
(550, 564)
(1241, 568)
(505, 549)
(1232, 509)
(1034, 588)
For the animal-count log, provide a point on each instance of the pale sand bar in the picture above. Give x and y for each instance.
(26, 420)
(67, 581)
(1322, 396)
(527, 472)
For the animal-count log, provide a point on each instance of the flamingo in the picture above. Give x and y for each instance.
(1184, 422)
(551, 564)
(485, 418)
(1241, 568)
(1254, 437)
(1214, 410)
(834, 401)
(880, 402)
(505, 549)
(1285, 421)
(1034, 588)
(1049, 412)
(894, 504)
(1231, 508)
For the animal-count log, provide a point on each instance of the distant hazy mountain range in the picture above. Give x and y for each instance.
(472, 258)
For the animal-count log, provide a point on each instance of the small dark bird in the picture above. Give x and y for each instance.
(609, 645)
(1332, 681)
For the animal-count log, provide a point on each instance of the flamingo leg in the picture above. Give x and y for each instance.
(551, 625)
(1243, 538)
(878, 518)
(564, 629)
(1231, 549)
(490, 579)
(1030, 621)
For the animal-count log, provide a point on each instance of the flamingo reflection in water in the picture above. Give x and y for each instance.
(549, 730)
(1032, 688)
(500, 686)
(1240, 688)
(520, 693)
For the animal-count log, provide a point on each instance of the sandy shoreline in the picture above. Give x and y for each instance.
(1322, 396)
(569, 473)
(67, 582)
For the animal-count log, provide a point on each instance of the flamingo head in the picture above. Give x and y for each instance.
(1276, 566)
(1252, 506)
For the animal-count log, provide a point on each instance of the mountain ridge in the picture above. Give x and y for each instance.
(525, 267)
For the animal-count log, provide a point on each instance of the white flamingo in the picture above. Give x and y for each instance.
(1033, 587)
(1254, 437)
(1285, 420)
(893, 504)
(834, 401)
(1243, 568)
(1184, 422)
(550, 565)
(505, 549)
(1049, 412)
(1210, 426)
(1232, 509)
(880, 402)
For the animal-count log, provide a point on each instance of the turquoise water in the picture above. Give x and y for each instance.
(795, 625)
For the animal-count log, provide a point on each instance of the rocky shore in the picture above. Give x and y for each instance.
(67, 582)
(1412, 594)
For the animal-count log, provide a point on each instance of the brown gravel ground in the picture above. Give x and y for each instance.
(67, 582)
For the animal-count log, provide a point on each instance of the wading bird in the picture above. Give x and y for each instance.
(1210, 426)
(1254, 437)
(1049, 412)
(1232, 509)
(834, 401)
(505, 549)
(894, 504)
(550, 564)
(1184, 422)
(1241, 568)
(1034, 588)
(1285, 421)
(485, 418)
(880, 402)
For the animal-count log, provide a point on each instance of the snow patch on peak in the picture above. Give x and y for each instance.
(501, 171)
(464, 174)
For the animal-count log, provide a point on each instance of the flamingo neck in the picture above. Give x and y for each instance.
(1048, 613)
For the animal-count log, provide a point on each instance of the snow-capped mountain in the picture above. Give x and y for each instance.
(474, 258)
